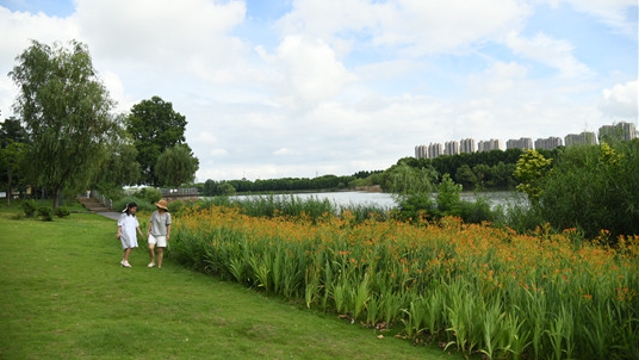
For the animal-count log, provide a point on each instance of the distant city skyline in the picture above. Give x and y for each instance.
(622, 130)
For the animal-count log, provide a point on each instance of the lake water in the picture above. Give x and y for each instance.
(386, 201)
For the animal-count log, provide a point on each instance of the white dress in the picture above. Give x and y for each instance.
(128, 236)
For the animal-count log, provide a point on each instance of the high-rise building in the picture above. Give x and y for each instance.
(451, 148)
(585, 138)
(421, 152)
(489, 145)
(548, 143)
(522, 143)
(435, 150)
(467, 146)
(621, 131)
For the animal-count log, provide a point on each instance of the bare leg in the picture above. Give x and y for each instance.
(160, 256)
(127, 252)
(152, 253)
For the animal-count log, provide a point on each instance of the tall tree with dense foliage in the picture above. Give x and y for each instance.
(594, 189)
(121, 167)
(12, 148)
(176, 166)
(155, 127)
(65, 109)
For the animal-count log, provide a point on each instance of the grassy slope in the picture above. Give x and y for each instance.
(63, 295)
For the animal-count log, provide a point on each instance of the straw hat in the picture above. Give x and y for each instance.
(162, 204)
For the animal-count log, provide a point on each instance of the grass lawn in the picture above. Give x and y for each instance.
(63, 295)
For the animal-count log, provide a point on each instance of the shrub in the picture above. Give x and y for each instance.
(29, 207)
(46, 213)
(477, 212)
(594, 188)
(143, 204)
(62, 211)
(177, 206)
(151, 195)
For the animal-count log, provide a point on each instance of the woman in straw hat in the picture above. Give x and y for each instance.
(159, 232)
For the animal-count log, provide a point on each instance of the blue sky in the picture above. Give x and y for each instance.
(295, 88)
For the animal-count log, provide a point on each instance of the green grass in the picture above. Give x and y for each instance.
(63, 295)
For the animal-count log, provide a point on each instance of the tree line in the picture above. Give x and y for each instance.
(491, 170)
(66, 138)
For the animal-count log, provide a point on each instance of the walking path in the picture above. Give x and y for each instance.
(95, 206)
(110, 214)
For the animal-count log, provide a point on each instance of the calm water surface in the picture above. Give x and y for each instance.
(385, 200)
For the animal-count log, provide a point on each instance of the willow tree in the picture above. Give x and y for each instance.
(65, 109)
(176, 166)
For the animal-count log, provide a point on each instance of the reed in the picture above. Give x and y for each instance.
(476, 288)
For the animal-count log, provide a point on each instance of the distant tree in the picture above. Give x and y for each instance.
(12, 149)
(532, 168)
(65, 109)
(402, 179)
(155, 127)
(225, 189)
(176, 166)
(121, 167)
(466, 177)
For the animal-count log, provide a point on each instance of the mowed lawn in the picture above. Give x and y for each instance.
(63, 295)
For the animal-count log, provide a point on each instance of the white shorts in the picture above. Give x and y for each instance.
(159, 241)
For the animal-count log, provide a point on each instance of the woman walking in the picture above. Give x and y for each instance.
(127, 226)
(159, 232)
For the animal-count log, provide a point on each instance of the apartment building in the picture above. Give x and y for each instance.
(435, 150)
(621, 131)
(489, 145)
(421, 152)
(585, 138)
(451, 148)
(467, 146)
(522, 143)
(548, 143)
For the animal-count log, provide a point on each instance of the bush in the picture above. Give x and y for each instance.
(477, 212)
(151, 195)
(594, 188)
(143, 204)
(177, 206)
(29, 207)
(46, 213)
(62, 211)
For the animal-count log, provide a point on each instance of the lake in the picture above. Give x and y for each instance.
(385, 200)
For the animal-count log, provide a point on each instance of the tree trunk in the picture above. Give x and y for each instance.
(9, 175)
(56, 198)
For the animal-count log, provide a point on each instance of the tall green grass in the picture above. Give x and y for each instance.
(474, 288)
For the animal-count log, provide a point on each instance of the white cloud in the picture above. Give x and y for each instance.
(614, 13)
(189, 36)
(499, 78)
(422, 27)
(218, 152)
(38, 27)
(551, 52)
(621, 101)
(307, 72)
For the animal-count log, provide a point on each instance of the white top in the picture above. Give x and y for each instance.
(128, 235)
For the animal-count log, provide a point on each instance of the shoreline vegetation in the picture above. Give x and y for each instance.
(474, 288)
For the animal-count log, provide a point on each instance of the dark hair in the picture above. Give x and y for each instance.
(129, 206)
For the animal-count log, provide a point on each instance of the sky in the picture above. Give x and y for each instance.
(305, 88)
